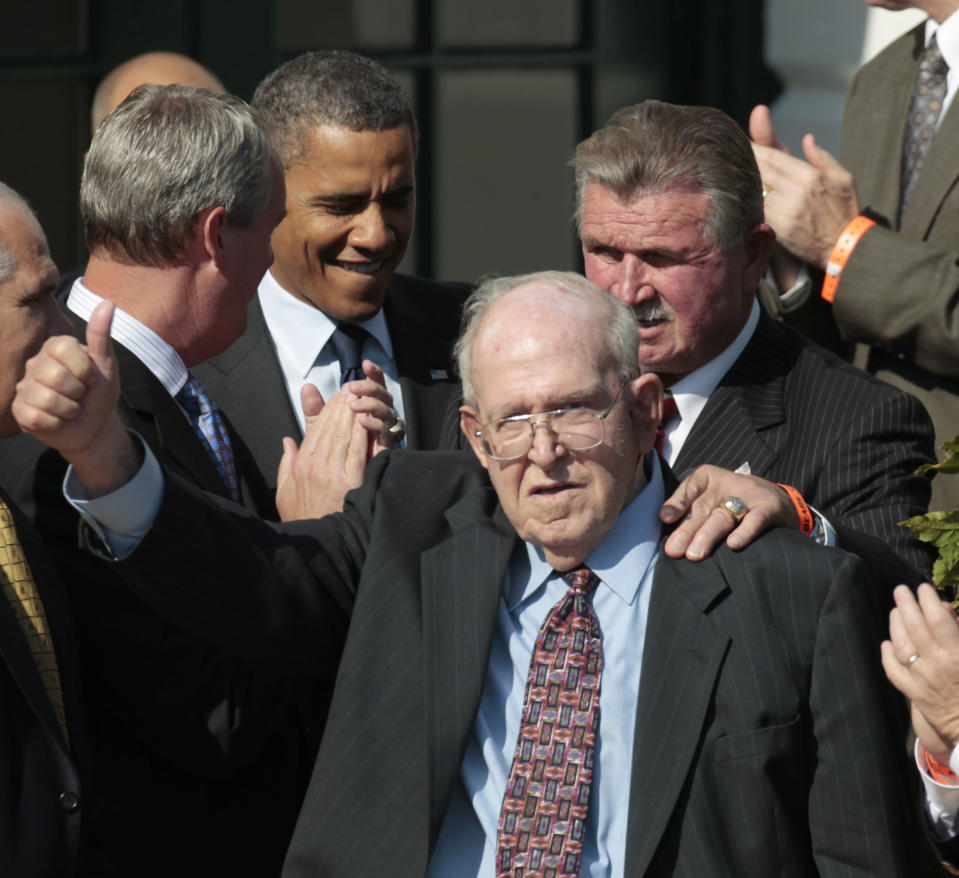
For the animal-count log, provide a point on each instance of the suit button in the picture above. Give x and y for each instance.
(70, 802)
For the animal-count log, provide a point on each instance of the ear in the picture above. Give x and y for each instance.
(646, 395)
(757, 246)
(209, 228)
(469, 424)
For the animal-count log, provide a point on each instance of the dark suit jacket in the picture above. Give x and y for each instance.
(849, 443)
(764, 745)
(423, 318)
(40, 802)
(194, 758)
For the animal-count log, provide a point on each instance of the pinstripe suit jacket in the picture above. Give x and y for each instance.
(765, 740)
(848, 442)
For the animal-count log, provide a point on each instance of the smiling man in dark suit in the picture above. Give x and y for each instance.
(670, 215)
(347, 137)
(41, 804)
(527, 681)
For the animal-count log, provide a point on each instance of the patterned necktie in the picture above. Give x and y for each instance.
(20, 590)
(670, 411)
(542, 822)
(347, 341)
(927, 98)
(205, 416)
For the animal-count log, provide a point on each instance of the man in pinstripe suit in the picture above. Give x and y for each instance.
(739, 733)
(670, 214)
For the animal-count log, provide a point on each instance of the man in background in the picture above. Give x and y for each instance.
(883, 224)
(154, 68)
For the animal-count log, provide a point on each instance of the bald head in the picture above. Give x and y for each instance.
(156, 68)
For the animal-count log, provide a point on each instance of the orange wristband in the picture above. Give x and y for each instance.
(806, 521)
(848, 239)
(939, 772)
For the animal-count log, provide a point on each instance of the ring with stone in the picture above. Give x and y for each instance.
(912, 659)
(398, 430)
(735, 508)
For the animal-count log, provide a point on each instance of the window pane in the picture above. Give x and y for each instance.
(41, 26)
(343, 24)
(502, 186)
(507, 22)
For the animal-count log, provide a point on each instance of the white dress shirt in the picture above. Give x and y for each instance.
(301, 334)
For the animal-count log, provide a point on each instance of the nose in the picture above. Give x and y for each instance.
(633, 284)
(371, 232)
(544, 449)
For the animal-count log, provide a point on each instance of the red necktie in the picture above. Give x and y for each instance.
(543, 818)
(670, 411)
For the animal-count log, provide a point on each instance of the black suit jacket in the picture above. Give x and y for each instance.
(40, 791)
(849, 443)
(423, 318)
(194, 757)
(765, 740)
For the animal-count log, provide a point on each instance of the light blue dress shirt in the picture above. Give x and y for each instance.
(624, 562)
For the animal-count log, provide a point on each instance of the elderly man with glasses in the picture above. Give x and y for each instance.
(526, 683)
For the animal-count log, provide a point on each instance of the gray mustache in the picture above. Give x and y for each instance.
(652, 311)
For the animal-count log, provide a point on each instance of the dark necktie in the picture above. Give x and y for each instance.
(347, 341)
(207, 421)
(924, 111)
(670, 411)
(543, 818)
(20, 589)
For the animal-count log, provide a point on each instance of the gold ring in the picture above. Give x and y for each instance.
(735, 508)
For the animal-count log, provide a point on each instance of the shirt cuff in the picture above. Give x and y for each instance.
(121, 518)
(796, 296)
(824, 533)
(942, 801)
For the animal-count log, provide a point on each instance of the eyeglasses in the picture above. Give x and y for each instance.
(577, 429)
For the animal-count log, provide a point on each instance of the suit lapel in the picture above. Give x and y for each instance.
(248, 375)
(876, 135)
(462, 580)
(682, 659)
(422, 362)
(937, 177)
(152, 410)
(732, 427)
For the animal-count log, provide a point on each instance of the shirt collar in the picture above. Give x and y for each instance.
(149, 348)
(620, 560)
(301, 330)
(692, 392)
(947, 38)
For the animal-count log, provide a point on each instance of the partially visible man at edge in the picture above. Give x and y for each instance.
(42, 801)
(670, 212)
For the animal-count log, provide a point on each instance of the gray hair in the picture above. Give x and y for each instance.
(652, 146)
(333, 88)
(616, 320)
(11, 200)
(166, 154)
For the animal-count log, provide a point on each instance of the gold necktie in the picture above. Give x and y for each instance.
(21, 590)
